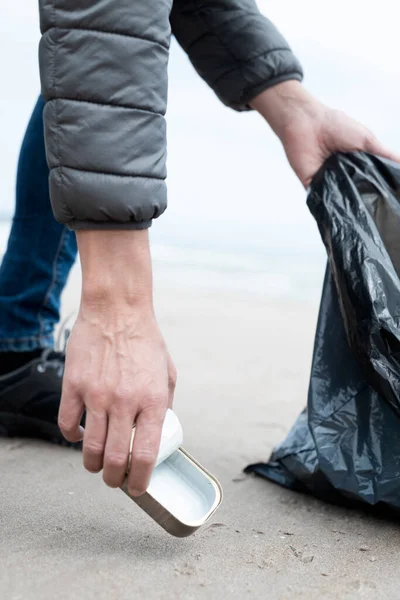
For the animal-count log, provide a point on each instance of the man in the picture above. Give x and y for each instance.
(104, 79)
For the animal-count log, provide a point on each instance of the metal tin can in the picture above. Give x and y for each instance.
(182, 494)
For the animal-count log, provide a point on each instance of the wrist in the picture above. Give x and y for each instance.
(104, 297)
(284, 105)
(116, 269)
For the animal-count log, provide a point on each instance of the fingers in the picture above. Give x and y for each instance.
(94, 440)
(70, 415)
(145, 448)
(374, 146)
(116, 382)
(117, 450)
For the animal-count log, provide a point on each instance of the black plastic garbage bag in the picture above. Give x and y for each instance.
(345, 447)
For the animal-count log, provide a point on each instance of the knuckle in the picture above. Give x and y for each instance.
(94, 448)
(122, 395)
(155, 401)
(72, 383)
(172, 382)
(142, 391)
(65, 426)
(116, 460)
(145, 458)
(95, 391)
(173, 377)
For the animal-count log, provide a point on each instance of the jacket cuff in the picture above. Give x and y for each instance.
(257, 75)
(251, 93)
(93, 200)
(76, 225)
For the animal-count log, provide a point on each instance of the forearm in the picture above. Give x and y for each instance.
(116, 268)
(283, 105)
(117, 365)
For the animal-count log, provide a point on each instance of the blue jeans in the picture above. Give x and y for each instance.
(39, 256)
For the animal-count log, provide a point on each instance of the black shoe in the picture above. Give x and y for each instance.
(30, 399)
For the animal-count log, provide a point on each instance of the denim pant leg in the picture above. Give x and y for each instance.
(39, 256)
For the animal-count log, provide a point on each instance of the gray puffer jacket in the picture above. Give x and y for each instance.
(103, 66)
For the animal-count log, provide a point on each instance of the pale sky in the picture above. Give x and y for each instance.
(228, 178)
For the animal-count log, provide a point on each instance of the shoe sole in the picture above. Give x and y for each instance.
(12, 425)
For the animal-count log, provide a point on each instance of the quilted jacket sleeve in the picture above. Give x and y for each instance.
(233, 47)
(103, 70)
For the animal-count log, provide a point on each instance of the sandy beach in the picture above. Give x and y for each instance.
(243, 366)
(238, 265)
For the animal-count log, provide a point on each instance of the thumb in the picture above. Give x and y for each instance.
(374, 146)
(70, 415)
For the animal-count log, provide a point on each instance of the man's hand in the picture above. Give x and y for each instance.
(310, 131)
(117, 364)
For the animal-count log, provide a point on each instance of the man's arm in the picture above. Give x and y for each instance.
(234, 48)
(248, 63)
(311, 131)
(117, 364)
(103, 71)
(103, 66)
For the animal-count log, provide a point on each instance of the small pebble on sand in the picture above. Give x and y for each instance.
(307, 559)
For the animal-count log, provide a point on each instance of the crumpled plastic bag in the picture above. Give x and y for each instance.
(345, 446)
